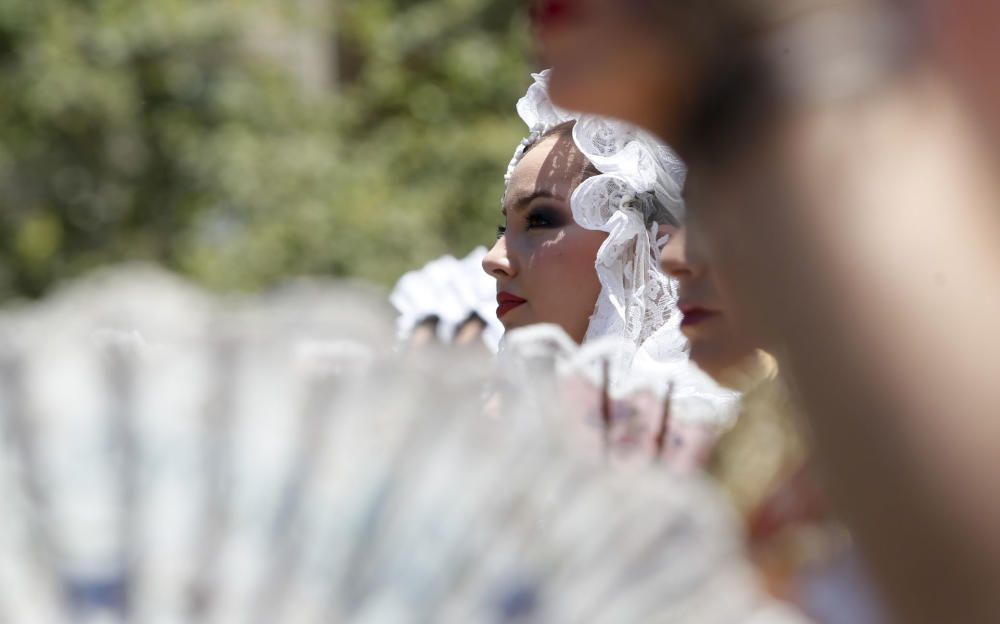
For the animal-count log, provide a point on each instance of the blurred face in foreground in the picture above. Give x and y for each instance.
(965, 35)
(718, 346)
(615, 57)
(543, 261)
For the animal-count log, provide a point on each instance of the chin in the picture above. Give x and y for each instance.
(742, 374)
(721, 364)
(512, 325)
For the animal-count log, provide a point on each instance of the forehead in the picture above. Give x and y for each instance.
(554, 166)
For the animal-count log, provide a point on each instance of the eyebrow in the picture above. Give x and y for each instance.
(520, 201)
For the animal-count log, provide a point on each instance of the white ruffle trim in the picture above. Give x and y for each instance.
(450, 290)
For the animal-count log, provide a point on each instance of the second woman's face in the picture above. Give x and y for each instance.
(718, 344)
(543, 261)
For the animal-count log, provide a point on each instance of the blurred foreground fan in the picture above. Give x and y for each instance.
(168, 457)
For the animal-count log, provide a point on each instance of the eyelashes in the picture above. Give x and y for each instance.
(537, 219)
(544, 218)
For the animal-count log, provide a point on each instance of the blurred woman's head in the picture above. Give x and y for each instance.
(705, 71)
(637, 60)
(597, 46)
(543, 260)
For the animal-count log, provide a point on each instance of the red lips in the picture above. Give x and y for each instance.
(552, 13)
(507, 302)
(693, 315)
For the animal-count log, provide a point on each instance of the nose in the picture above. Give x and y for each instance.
(674, 260)
(497, 263)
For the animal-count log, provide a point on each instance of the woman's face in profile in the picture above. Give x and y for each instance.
(718, 345)
(543, 261)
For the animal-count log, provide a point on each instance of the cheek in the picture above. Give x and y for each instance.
(573, 254)
(712, 230)
(694, 241)
(718, 344)
(563, 275)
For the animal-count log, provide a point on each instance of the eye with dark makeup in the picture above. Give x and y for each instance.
(538, 218)
(543, 217)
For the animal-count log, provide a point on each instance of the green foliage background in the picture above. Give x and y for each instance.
(157, 130)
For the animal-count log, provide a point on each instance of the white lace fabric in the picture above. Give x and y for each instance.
(449, 290)
(637, 190)
(659, 369)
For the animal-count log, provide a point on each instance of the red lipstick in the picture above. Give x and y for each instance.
(694, 315)
(507, 302)
(552, 13)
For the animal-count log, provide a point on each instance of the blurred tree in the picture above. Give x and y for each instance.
(171, 131)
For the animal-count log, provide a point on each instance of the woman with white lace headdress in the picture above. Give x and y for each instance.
(589, 203)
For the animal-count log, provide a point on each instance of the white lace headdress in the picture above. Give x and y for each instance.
(637, 190)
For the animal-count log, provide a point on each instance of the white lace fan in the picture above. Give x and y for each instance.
(169, 457)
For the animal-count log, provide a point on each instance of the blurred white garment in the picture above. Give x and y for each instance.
(449, 291)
